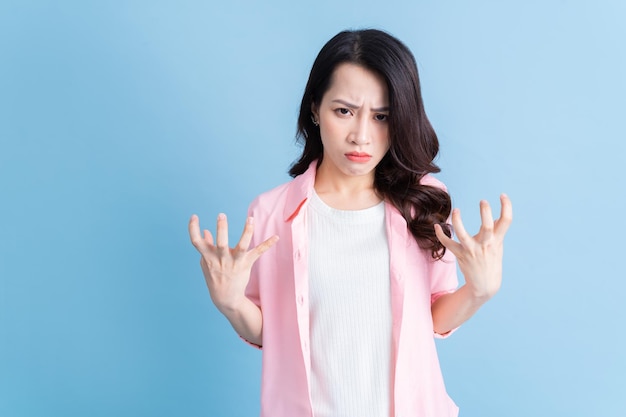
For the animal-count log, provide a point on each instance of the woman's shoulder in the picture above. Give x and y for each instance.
(272, 200)
(273, 194)
(431, 181)
(287, 197)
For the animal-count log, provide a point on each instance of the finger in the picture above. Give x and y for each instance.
(208, 237)
(262, 248)
(222, 232)
(464, 238)
(449, 243)
(194, 234)
(246, 236)
(506, 216)
(486, 217)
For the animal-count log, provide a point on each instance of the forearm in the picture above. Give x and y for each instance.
(449, 311)
(480, 260)
(247, 320)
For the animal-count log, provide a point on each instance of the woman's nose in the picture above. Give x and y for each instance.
(360, 133)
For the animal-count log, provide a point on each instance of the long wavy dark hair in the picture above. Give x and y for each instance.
(413, 142)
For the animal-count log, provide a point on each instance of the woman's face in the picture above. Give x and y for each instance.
(353, 121)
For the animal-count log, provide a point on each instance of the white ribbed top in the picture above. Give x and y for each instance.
(350, 311)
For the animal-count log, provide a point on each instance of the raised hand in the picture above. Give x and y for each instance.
(227, 270)
(480, 256)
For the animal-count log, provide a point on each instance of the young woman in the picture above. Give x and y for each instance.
(346, 274)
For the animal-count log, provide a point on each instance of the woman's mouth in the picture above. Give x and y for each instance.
(358, 157)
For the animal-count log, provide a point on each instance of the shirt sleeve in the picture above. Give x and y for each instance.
(444, 280)
(443, 276)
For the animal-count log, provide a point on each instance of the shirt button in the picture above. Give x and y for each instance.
(300, 299)
(297, 255)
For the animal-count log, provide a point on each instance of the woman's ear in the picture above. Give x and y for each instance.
(314, 112)
(314, 115)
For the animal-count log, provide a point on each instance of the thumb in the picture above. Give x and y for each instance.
(447, 242)
(262, 248)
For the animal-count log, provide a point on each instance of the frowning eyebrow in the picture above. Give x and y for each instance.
(355, 107)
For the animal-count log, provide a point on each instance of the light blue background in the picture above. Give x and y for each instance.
(118, 120)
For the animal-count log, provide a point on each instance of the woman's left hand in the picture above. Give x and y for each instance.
(480, 256)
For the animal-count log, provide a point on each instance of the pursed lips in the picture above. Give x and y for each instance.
(358, 156)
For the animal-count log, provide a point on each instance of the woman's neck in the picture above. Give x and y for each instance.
(346, 192)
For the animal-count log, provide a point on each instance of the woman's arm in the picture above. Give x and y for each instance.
(480, 261)
(227, 272)
(451, 310)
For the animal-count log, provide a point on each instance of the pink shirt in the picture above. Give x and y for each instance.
(279, 286)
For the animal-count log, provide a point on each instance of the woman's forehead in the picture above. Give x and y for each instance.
(357, 84)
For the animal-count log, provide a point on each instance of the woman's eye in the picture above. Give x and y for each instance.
(381, 117)
(343, 111)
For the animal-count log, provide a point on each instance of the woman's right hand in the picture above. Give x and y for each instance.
(227, 270)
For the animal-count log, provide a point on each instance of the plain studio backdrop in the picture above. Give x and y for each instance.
(120, 119)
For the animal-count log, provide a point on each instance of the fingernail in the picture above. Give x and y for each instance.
(221, 216)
